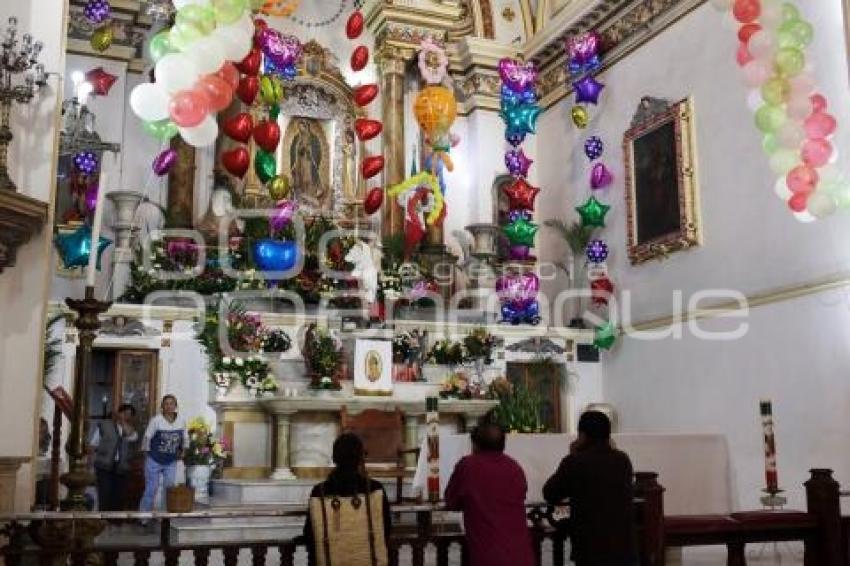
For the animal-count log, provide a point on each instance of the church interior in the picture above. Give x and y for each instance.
(405, 218)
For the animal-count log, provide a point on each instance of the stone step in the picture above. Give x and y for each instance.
(235, 531)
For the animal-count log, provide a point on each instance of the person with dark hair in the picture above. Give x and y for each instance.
(597, 478)
(164, 442)
(348, 479)
(489, 487)
(110, 444)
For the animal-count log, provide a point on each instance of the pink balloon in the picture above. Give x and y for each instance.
(798, 202)
(284, 211)
(802, 179)
(218, 92)
(791, 135)
(816, 152)
(743, 56)
(756, 73)
(518, 289)
(818, 102)
(230, 74)
(802, 84)
(188, 108)
(799, 107)
(819, 125)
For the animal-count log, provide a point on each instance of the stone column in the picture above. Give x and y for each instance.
(411, 438)
(391, 63)
(281, 470)
(126, 203)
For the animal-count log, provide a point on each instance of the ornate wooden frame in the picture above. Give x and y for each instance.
(652, 114)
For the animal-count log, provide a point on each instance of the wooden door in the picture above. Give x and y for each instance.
(544, 379)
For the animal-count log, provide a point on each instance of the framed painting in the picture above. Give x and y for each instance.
(373, 367)
(662, 208)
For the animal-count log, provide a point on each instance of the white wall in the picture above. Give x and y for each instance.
(794, 352)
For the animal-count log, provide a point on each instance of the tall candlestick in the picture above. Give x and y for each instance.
(770, 472)
(432, 425)
(95, 231)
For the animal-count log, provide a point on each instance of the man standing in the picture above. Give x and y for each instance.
(110, 443)
(597, 479)
(489, 487)
(165, 440)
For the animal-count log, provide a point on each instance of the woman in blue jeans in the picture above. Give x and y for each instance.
(164, 442)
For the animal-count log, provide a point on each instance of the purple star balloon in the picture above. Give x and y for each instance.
(517, 162)
(85, 162)
(593, 148)
(588, 90)
(97, 11)
(600, 176)
(596, 251)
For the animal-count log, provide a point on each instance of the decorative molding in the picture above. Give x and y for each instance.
(21, 217)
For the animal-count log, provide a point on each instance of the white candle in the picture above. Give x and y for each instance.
(95, 231)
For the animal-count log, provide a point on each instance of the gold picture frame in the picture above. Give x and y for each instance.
(662, 208)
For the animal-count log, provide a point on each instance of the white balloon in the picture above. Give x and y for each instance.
(722, 5)
(821, 204)
(791, 135)
(754, 100)
(762, 45)
(207, 54)
(245, 23)
(756, 73)
(781, 189)
(802, 84)
(203, 134)
(771, 15)
(804, 217)
(829, 174)
(799, 106)
(234, 42)
(179, 4)
(149, 102)
(176, 72)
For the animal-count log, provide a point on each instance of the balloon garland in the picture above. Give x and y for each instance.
(797, 128)
(583, 61)
(519, 110)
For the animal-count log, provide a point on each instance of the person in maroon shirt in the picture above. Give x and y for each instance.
(489, 487)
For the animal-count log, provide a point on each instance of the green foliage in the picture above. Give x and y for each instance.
(575, 234)
(52, 347)
(518, 409)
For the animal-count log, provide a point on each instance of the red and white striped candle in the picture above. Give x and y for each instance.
(770, 474)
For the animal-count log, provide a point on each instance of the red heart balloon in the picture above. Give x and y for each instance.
(267, 135)
(250, 65)
(247, 89)
(367, 129)
(374, 200)
(239, 127)
(354, 25)
(359, 58)
(372, 165)
(236, 161)
(365, 94)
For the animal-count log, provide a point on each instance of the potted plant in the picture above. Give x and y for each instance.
(577, 237)
(322, 356)
(519, 409)
(204, 454)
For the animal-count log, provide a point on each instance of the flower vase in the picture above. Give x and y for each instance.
(198, 477)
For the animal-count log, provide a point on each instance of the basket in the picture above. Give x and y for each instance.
(179, 499)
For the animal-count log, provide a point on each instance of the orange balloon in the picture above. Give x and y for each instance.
(217, 90)
(230, 74)
(435, 109)
(281, 8)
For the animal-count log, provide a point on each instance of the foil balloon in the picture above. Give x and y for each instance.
(239, 127)
(519, 252)
(275, 255)
(359, 58)
(517, 163)
(593, 147)
(520, 118)
(86, 162)
(521, 232)
(601, 290)
(163, 162)
(367, 129)
(605, 336)
(521, 194)
(579, 116)
(74, 248)
(596, 251)
(372, 165)
(264, 166)
(515, 215)
(271, 90)
(282, 50)
(250, 64)
(279, 187)
(514, 138)
(588, 90)
(247, 89)
(282, 215)
(163, 130)
(102, 38)
(518, 289)
(354, 25)
(97, 11)
(373, 201)
(521, 314)
(517, 76)
(593, 213)
(100, 81)
(435, 109)
(91, 197)
(267, 135)
(365, 94)
(583, 53)
(236, 161)
(600, 176)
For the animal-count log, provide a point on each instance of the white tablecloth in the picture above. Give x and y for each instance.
(693, 468)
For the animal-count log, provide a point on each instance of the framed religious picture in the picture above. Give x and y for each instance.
(662, 208)
(373, 367)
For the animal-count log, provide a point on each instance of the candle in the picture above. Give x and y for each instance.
(95, 231)
(770, 472)
(432, 427)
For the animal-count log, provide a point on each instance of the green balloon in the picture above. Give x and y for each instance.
(521, 232)
(160, 45)
(770, 144)
(783, 160)
(841, 196)
(605, 336)
(228, 11)
(795, 33)
(775, 91)
(790, 61)
(184, 34)
(201, 17)
(264, 166)
(790, 12)
(770, 118)
(162, 130)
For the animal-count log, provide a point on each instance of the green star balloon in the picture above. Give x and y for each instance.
(520, 117)
(593, 213)
(605, 336)
(521, 232)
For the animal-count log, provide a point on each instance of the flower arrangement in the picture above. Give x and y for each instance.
(479, 345)
(403, 348)
(204, 449)
(446, 352)
(275, 340)
(322, 355)
(456, 386)
(518, 409)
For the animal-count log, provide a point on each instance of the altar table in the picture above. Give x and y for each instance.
(693, 468)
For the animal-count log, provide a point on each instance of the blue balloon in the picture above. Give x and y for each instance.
(74, 248)
(275, 255)
(521, 313)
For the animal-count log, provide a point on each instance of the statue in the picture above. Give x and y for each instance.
(349, 167)
(307, 159)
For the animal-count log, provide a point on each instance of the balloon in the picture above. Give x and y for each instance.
(769, 118)
(517, 76)
(176, 72)
(91, 197)
(517, 162)
(279, 188)
(756, 73)
(605, 336)
(202, 135)
(514, 138)
(600, 176)
(596, 251)
(579, 116)
(802, 179)
(371, 166)
(790, 135)
(518, 289)
(228, 11)
(771, 14)
(818, 102)
(798, 202)
(218, 92)
(593, 213)
(359, 58)
(520, 118)
(601, 290)
(271, 90)
(283, 213)
(521, 195)
(743, 55)
(74, 248)
(97, 11)
(588, 89)
(196, 16)
(354, 25)
(235, 43)
(100, 81)
(247, 89)
(799, 107)
(770, 143)
(775, 90)
(230, 74)
(239, 127)
(163, 130)
(435, 109)
(250, 64)
(583, 52)
(821, 204)
(207, 54)
(236, 161)
(781, 189)
(264, 166)
(746, 31)
(267, 135)
(795, 33)
(790, 61)
(149, 102)
(365, 94)
(275, 255)
(373, 201)
(281, 50)
(163, 162)
(816, 152)
(514, 314)
(515, 215)
(783, 161)
(819, 125)
(86, 162)
(159, 46)
(746, 11)
(367, 129)
(593, 147)
(519, 252)
(188, 108)
(102, 38)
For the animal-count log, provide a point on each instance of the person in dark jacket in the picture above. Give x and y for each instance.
(110, 443)
(598, 480)
(345, 480)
